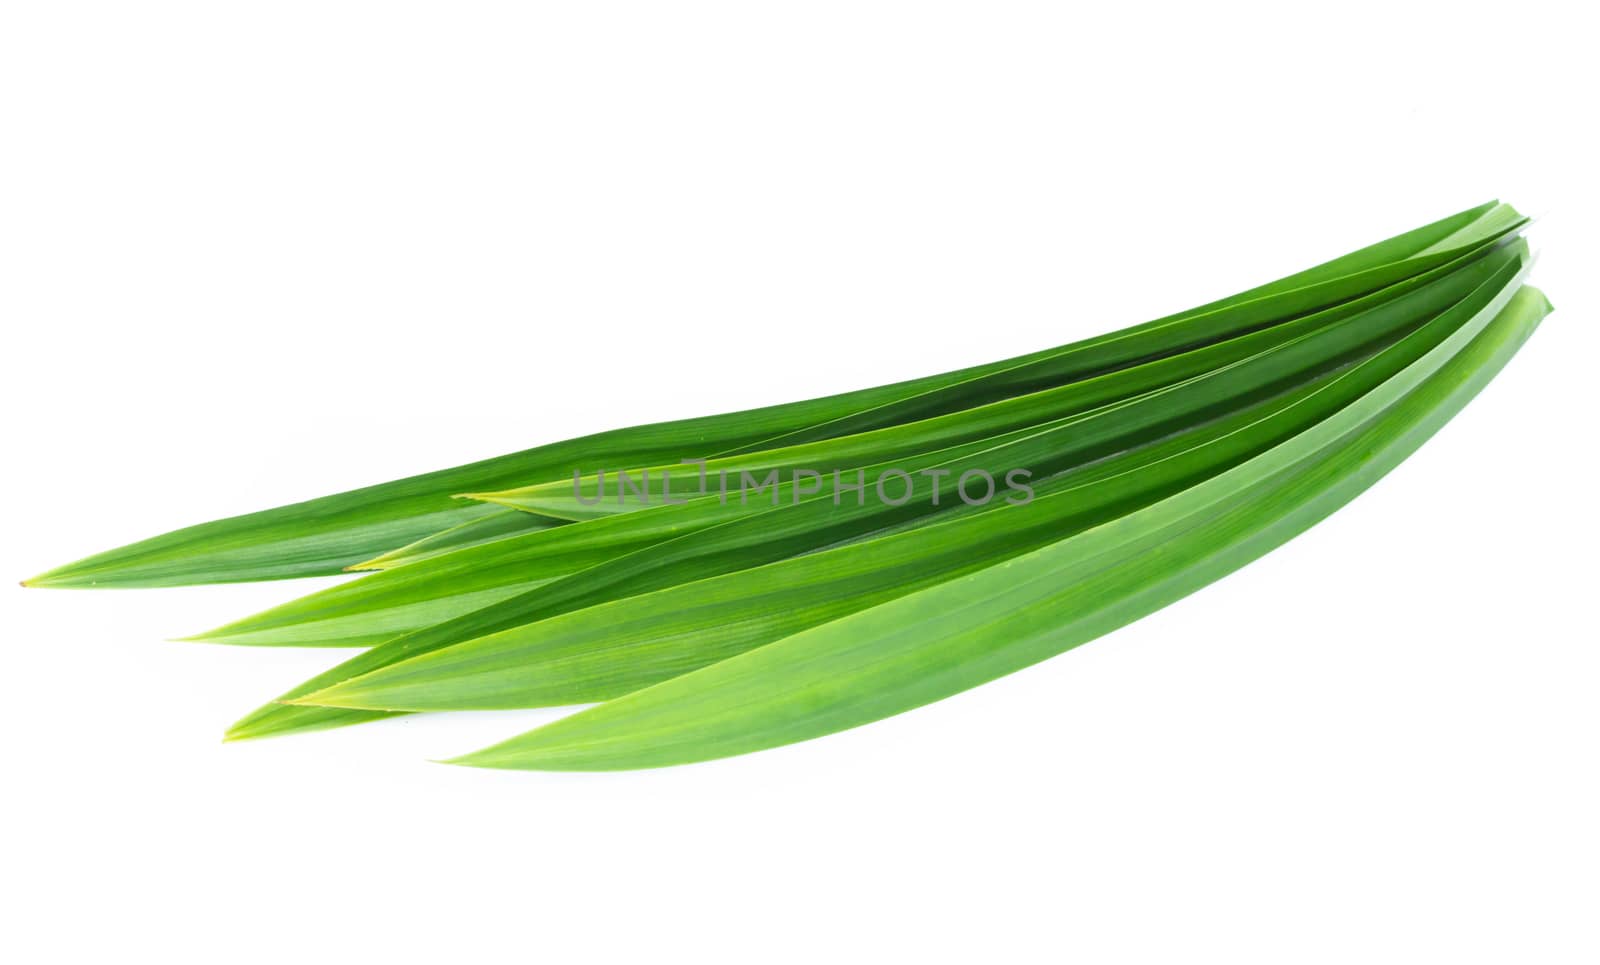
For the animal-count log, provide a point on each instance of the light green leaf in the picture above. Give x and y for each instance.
(939, 641)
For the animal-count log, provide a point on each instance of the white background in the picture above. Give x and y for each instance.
(254, 253)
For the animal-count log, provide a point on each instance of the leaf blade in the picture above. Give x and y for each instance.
(887, 660)
(326, 535)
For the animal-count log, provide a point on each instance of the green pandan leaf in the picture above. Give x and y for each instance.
(327, 535)
(939, 641)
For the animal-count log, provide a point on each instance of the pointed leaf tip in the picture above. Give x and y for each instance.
(483, 759)
(552, 748)
(60, 578)
(241, 730)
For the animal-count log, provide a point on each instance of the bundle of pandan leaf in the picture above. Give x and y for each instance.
(859, 576)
